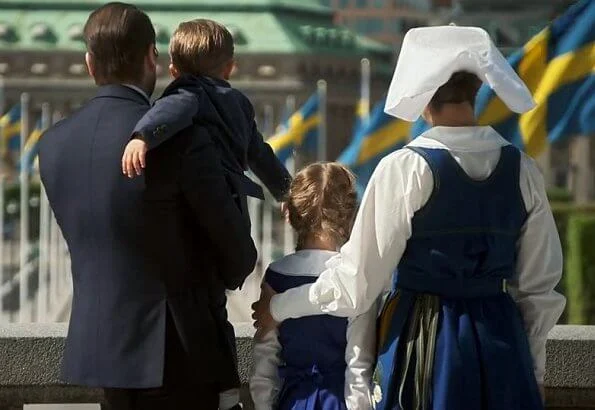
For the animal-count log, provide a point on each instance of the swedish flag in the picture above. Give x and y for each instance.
(361, 114)
(558, 66)
(11, 129)
(31, 149)
(381, 135)
(299, 131)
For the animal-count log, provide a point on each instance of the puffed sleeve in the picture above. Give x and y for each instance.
(539, 266)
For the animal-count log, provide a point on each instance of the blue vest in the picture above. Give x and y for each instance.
(313, 352)
(463, 241)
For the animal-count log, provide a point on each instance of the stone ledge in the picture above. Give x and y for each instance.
(30, 357)
(571, 357)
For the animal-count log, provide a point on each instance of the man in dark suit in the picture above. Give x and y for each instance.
(150, 261)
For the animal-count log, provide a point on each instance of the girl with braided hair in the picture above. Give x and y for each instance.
(318, 362)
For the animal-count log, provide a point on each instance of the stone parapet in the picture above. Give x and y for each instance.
(30, 357)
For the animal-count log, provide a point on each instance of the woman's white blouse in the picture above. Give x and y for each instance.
(401, 185)
(265, 383)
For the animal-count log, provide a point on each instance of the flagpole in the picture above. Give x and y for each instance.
(290, 108)
(267, 210)
(2, 95)
(322, 129)
(365, 89)
(24, 228)
(288, 238)
(2, 206)
(2, 141)
(44, 233)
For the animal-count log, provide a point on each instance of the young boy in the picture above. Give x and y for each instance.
(201, 53)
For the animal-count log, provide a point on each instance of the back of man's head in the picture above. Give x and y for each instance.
(119, 37)
(201, 47)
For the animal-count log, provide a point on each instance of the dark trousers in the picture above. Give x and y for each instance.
(179, 390)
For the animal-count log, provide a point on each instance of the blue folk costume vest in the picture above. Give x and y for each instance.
(312, 350)
(450, 336)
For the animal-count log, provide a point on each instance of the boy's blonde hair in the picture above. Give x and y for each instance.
(201, 47)
(322, 202)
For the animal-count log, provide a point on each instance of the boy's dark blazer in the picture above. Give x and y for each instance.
(229, 116)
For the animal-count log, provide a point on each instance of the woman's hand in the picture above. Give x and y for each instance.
(264, 321)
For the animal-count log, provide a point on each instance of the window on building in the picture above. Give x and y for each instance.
(361, 4)
(422, 5)
(369, 25)
(393, 26)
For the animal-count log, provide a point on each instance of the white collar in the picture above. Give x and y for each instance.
(307, 262)
(138, 90)
(461, 139)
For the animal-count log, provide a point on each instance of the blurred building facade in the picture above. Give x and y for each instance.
(511, 23)
(282, 48)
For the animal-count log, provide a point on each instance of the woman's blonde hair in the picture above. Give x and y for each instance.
(322, 202)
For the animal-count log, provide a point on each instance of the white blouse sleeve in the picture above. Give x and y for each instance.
(539, 266)
(400, 185)
(360, 355)
(265, 382)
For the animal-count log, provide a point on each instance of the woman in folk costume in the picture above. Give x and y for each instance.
(459, 223)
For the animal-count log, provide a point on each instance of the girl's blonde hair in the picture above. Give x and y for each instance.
(322, 202)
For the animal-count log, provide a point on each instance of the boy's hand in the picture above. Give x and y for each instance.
(284, 212)
(133, 160)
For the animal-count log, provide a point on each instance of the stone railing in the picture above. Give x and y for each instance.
(30, 358)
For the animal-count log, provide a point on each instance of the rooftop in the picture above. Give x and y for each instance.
(259, 26)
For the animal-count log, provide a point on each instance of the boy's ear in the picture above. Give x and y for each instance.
(173, 70)
(285, 211)
(229, 69)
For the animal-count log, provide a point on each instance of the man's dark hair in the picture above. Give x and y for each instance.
(461, 87)
(118, 35)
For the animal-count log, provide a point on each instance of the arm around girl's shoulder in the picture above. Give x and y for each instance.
(539, 266)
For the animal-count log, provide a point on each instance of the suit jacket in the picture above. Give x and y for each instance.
(229, 116)
(121, 287)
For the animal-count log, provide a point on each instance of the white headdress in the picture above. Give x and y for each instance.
(430, 55)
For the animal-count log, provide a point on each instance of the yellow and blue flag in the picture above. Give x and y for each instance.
(362, 114)
(381, 135)
(558, 66)
(11, 129)
(31, 150)
(299, 131)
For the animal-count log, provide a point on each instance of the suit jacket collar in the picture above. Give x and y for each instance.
(189, 81)
(121, 91)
